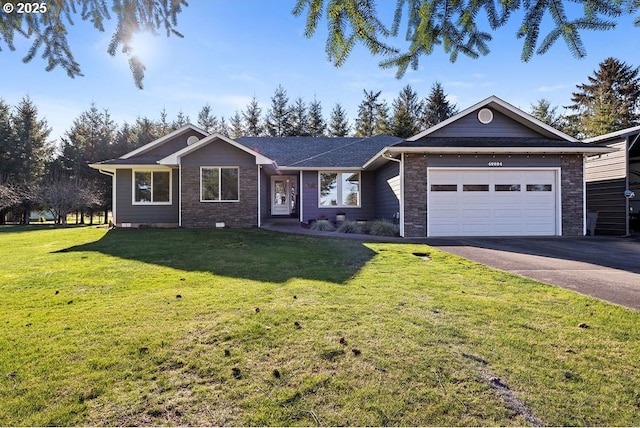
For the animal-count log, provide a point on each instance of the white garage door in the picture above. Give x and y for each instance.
(493, 202)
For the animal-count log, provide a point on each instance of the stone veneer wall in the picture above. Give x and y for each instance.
(206, 214)
(415, 195)
(572, 181)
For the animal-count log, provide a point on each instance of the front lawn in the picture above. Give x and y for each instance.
(247, 327)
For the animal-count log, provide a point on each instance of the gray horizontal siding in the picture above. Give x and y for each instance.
(126, 212)
(500, 126)
(388, 190)
(310, 197)
(608, 166)
(607, 198)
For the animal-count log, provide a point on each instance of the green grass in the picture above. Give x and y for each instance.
(94, 333)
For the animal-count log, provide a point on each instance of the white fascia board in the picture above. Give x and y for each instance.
(320, 168)
(504, 108)
(173, 159)
(611, 135)
(376, 157)
(145, 166)
(164, 139)
(505, 150)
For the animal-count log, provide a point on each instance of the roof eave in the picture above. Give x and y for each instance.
(501, 150)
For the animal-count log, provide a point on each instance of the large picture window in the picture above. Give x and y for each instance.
(219, 184)
(152, 187)
(339, 189)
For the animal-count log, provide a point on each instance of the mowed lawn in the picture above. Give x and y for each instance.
(248, 327)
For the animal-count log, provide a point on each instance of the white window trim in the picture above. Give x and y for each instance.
(340, 189)
(152, 171)
(219, 184)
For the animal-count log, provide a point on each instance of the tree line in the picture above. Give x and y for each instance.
(36, 173)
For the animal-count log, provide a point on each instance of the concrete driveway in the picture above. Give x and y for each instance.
(603, 267)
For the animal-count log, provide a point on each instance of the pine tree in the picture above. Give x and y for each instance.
(279, 114)
(252, 119)
(207, 120)
(458, 27)
(181, 120)
(407, 109)
(317, 124)
(382, 122)
(436, 107)
(223, 128)
(32, 151)
(7, 158)
(338, 122)
(369, 112)
(299, 118)
(164, 127)
(610, 101)
(236, 128)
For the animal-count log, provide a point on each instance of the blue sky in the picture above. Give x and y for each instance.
(234, 50)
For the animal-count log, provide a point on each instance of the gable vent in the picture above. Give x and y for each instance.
(192, 139)
(485, 116)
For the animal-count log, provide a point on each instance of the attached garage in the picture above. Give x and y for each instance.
(493, 202)
(491, 170)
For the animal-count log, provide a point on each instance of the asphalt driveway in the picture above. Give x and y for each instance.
(604, 267)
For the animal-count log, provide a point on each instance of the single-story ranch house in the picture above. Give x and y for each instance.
(490, 170)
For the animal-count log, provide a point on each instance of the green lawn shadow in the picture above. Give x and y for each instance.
(239, 253)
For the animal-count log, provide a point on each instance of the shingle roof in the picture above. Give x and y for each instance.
(319, 152)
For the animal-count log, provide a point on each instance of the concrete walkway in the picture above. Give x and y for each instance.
(607, 268)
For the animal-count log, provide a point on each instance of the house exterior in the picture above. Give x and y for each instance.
(490, 170)
(608, 176)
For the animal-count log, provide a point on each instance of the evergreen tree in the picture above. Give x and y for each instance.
(545, 112)
(223, 128)
(317, 124)
(31, 151)
(407, 109)
(207, 120)
(610, 101)
(6, 142)
(299, 118)
(252, 119)
(236, 128)
(436, 107)
(90, 139)
(369, 112)
(456, 26)
(164, 127)
(382, 122)
(338, 122)
(181, 120)
(279, 114)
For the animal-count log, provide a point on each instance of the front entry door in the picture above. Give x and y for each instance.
(283, 194)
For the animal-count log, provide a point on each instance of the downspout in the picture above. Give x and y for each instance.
(259, 196)
(180, 193)
(300, 204)
(113, 193)
(584, 196)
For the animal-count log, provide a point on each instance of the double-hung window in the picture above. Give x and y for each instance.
(339, 189)
(152, 187)
(219, 184)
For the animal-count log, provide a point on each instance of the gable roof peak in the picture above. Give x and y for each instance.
(508, 110)
(186, 128)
